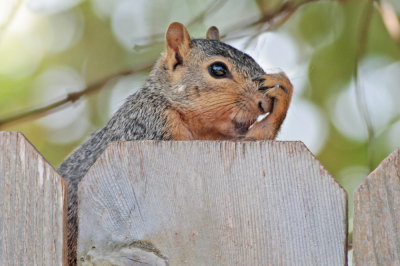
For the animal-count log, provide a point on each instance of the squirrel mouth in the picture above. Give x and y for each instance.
(243, 127)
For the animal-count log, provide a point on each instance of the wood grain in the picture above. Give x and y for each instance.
(32, 206)
(376, 229)
(211, 203)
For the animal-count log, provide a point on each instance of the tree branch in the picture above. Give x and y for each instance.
(362, 39)
(158, 37)
(272, 20)
(40, 111)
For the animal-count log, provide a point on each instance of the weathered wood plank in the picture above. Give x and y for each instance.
(32, 206)
(211, 203)
(376, 229)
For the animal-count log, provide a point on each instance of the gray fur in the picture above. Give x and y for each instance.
(126, 124)
(142, 117)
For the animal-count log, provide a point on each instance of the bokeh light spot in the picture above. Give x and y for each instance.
(50, 6)
(375, 97)
(55, 84)
(305, 122)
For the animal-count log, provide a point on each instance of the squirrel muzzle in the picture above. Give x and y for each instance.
(273, 88)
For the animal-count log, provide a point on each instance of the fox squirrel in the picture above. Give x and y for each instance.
(200, 89)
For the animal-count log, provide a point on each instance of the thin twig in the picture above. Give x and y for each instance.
(213, 7)
(157, 38)
(273, 20)
(40, 111)
(283, 14)
(365, 22)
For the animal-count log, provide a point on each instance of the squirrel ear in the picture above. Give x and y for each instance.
(213, 33)
(178, 43)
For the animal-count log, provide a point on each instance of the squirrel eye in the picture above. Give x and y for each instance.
(218, 70)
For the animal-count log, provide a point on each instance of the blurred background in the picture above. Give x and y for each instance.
(67, 65)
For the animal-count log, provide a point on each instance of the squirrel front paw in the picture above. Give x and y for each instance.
(280, 90)
(277, 86)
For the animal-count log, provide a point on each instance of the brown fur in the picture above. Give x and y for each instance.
(182, 100)
(213, 33)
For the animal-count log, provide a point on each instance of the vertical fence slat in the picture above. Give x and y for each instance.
(32, 206)
(211, 203)
(376, 230)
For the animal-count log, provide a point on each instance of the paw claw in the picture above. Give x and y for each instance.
(277, 91)
(277, 85)
(274, 88)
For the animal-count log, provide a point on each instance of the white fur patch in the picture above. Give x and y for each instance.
(259, 118)
(180, 88)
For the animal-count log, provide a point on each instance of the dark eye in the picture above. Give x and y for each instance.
(218, 70)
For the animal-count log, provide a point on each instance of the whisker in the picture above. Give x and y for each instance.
(226, 107)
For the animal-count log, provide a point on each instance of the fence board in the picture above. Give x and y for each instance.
(211, 203)
(32, 206)
(376, 230)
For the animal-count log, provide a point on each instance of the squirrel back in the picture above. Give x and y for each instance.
(198, 89)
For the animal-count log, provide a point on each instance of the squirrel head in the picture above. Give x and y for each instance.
(215, 88)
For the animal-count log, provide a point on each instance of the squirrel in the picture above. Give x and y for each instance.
(199, 89)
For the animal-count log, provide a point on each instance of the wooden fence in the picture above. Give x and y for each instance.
(196, 203)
